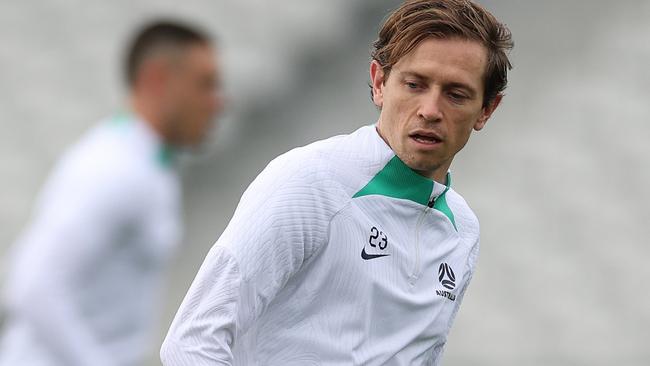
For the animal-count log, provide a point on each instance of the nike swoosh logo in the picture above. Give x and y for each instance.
(367, 256)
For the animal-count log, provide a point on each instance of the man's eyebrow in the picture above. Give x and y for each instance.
(404, 74)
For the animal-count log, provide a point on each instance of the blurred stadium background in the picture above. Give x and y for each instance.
(560, 177)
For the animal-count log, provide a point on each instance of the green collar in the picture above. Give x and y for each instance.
(166, 155)
(397, 180)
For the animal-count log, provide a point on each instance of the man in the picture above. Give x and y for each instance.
(355, 250)
(85, 280)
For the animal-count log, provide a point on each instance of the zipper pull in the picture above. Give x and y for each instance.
(431, 203)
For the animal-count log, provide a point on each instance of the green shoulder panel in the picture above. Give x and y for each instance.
(441, 205)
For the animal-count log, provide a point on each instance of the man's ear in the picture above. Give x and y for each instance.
(377, 83)
(486, 112)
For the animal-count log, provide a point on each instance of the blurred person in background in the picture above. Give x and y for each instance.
(355, 250)
(84, 285)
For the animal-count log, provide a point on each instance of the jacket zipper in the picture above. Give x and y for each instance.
(416, 269)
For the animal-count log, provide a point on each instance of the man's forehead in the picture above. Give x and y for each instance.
(452, 57)
(197, 56)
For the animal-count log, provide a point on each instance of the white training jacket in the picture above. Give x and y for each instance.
(338, 254)
(84, 284)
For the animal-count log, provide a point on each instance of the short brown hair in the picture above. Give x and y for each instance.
(416, 20)
(158, 35)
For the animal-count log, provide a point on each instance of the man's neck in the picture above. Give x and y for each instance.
(145, 112)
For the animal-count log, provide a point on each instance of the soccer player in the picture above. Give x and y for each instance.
(355, 250)
(86, 275)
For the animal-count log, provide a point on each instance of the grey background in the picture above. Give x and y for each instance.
(559, 178)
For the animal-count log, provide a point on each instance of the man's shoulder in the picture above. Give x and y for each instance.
(346, 161)
(102, 160)
(342, 147)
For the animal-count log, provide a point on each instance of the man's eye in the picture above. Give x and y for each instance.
(412, 85)
(457, 97)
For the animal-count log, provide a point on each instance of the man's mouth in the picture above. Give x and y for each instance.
(426, 138)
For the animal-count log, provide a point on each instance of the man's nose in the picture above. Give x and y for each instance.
(429, 109)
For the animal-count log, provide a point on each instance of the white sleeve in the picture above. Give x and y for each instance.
(79, 216)
(281, 220)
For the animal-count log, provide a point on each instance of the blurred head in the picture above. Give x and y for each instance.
(438, 70)
(174, 79)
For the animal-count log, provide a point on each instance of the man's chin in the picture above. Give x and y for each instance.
(426, 168)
